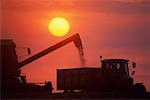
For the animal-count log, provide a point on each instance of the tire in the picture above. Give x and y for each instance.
(140, 88)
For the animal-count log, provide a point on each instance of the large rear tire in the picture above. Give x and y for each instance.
(140, 88)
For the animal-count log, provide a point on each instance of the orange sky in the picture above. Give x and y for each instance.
(111, 28)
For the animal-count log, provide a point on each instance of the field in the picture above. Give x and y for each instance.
(77, 96)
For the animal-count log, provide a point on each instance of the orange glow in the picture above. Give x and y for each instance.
(59, 26)
(108, 28)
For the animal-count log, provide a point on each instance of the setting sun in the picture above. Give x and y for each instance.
(59, 26)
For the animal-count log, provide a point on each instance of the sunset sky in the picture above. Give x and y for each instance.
(108, 28)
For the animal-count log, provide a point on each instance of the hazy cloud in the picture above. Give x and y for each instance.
(131, 1)
(118, 6)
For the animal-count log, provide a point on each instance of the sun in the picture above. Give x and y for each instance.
(58, 26)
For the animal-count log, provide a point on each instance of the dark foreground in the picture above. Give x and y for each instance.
(77, 96)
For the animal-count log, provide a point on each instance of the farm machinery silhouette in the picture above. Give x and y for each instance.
(12, 80)
(111, 77)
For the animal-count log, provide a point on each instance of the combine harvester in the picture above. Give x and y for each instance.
(12, 81)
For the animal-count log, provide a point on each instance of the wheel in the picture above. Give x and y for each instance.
(139, 87)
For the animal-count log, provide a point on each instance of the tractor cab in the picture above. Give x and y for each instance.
(115, 73)
(115, 66)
